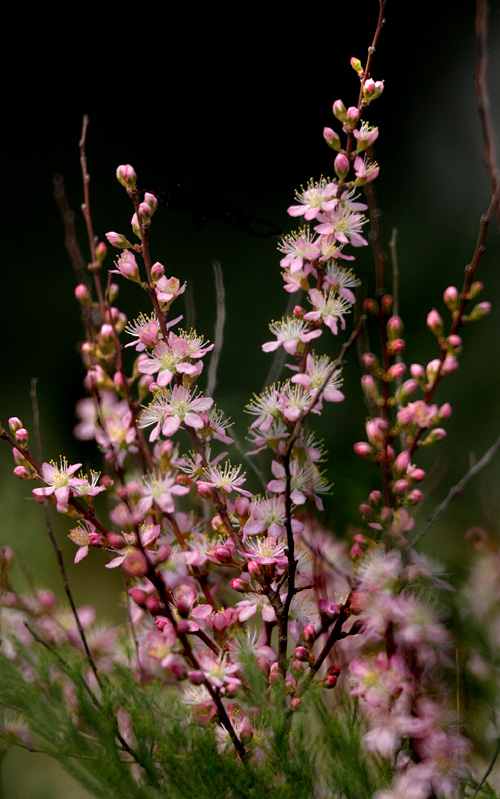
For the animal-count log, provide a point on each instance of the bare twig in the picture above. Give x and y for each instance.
(219, 329)
(483, 100)
(457, 489)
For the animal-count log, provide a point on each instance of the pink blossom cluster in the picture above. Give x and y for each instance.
(214, 571)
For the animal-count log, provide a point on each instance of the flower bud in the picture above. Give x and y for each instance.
(357, 66)
(396, 346)
(394, 328)
(369, 387)
(370, 306)
(22, 436)
(21, 472)
(352, 117)
(83, 295)
(402, 462)
(157, 271)
(417, 371)
(434, 437)
(339, 111)
(475, 289)
(138, 596)
(309, 633)
(432, 369)
(396, 371)
(370, 362)
(435, 323)
(341, 166)
(100, 252)
(387, 303)
(14, 424)
(301, 653)
(401, 486)
(363, 449)
(414, 497)
(135, 564)
(331, 138)
(118, 240)
(479, 311)
(153, 605)
(450, 298)
(125, 174)
(375, 497)
(450, 365)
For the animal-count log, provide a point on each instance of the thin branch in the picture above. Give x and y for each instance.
(457, 489)
(488, 770)
(219, 329)
(483, 100)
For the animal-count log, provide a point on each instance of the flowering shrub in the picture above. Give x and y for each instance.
(261, 652)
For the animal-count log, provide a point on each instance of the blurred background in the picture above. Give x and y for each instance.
(222, 116)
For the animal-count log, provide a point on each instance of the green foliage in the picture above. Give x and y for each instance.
(133, 740)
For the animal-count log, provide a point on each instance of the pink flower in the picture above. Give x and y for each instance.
(291, 333)
(59, 482)
(172, 407)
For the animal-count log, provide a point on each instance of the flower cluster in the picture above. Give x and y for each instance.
(225, 587)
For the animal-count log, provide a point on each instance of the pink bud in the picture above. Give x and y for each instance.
(409, 387)
(135, 564)
(479, 311)
(115, 541)
(117, 240)
(238, 584)
(46, 598)
(152, 604)
(157, 271)
(432, 369)
(21, 472)
(396, 371)
(402, 462)
(444, 412)
(369, 386)
(83, 294)
(125, 174)
(401, 486)
(387, 303)
(196, 676)
(341, 166)
(370, 306)
(394, 327)
(100, 252)
(375, 497)
(415, 496)
(435, 323)
(454, 343)
(417, 475)
(450, 365)
(450, 298)
(299, 311)
(370, 361)
(339, 110)
(21, 436)
(14, 424)
(417, 371)
(309, 633)
(352, 117)
(301, 653)
(363, 449)
(396, 347)
(138, 596)
(331, 138)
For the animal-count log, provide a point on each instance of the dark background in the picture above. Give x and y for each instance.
(231, 106)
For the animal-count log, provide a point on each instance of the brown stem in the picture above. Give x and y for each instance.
(470, 270)
(483, 100)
